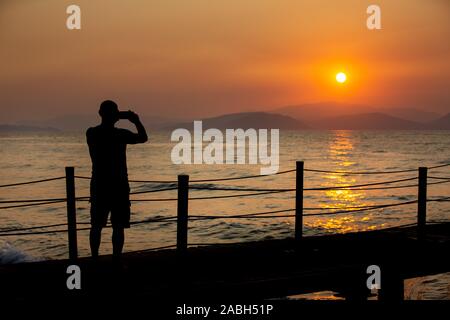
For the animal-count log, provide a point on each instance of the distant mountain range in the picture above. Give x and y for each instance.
(441, 123)
(331, 116)
(365, 121)
(334, 115)
(328, 115)
(310, 113)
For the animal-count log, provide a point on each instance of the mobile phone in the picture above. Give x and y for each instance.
(124, 114)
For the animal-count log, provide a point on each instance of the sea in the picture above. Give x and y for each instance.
(34, 156)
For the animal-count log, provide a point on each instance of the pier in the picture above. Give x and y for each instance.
(267, 269)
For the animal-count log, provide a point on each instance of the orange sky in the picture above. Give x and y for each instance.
(203, 57)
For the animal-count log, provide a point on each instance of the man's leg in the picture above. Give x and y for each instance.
(118, 238)
(95, 238)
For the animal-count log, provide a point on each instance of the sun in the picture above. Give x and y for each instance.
(341, 77)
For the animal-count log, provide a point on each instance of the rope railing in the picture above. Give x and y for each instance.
(209, 197)
(56, 200)
(360, 172)
(346, 187)
(30, 182)
(152, 220)
(154, 191)
(364, 185)
(183, 198)
(376, 188)
(257, 192)
(38, 201)
(439, 182)
(204, 180)
(133, 181)
(265, 214)
(374, 172)
(283, 172)
(440, 199)
(238, 195)
(194, 187)
(306, 189)
(235, 178)
(439, 178)
(244, 177)
(229, 216)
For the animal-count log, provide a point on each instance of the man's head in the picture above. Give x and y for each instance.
(109, 112)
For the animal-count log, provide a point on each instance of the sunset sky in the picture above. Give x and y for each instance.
(197, 58)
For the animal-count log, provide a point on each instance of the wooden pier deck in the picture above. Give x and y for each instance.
(254, 270)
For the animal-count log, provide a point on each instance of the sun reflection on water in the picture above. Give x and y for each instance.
(340, 153)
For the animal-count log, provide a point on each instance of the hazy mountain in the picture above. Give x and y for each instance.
(441, 123)
(319, 111)
(411, 114)
(368, 121)
(256, 120)
(325, 115)
(19, 128)
(66, 122)
(316, 111)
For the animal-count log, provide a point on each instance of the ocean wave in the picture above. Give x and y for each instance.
(211, 186)
(11, 255)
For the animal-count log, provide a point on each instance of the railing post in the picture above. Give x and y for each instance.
(422, 202)
(182, 213)
(71, 213)
(299, 200)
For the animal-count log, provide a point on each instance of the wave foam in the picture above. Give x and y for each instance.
(10, 255)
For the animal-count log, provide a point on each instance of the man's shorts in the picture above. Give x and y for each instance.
(110, 199)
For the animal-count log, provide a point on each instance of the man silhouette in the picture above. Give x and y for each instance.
(109, 184)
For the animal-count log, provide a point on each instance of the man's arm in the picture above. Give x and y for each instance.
(141, 135)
